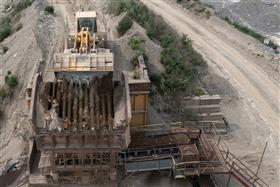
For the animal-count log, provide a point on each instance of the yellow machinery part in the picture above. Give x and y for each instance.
(83, 40)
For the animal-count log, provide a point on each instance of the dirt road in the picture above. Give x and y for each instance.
(252, 82)
(257, 88)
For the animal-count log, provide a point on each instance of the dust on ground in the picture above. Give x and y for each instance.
(232, 73)
(30, 49)
(245, 122)
(260, 15)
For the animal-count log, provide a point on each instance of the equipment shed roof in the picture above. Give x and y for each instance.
(86, 14)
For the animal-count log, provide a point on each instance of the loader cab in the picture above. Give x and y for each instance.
(86, 19)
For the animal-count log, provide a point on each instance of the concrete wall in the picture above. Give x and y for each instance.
(206, 107)
(31, 97)
(139, 94)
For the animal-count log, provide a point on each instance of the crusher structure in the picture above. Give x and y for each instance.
(80, 121)
(89, 128)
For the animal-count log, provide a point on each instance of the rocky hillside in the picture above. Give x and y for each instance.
(260, 15)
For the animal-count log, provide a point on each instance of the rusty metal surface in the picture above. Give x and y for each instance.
(189, 152)
(78, 104)
(197, 151)
(10, 177)
(78, 143)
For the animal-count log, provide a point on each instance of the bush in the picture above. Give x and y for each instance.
(200, 9)
(5, 28)
(250, 32)
(156, 79)
(116, 7)
(182, 64)
(139, 13)
(49, 9)
(4, 92)
(135, 42)
(245, 29)
(124, 25)
(4, 49)
(5, 22)
(272, 45)
(18, 26)
(136, 75)
(1, 115)
(5, 31)
(23, 4)
(208, 14)
(198, 91)
(11, 80)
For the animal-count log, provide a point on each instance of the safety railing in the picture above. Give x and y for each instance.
(189, 168)
(236, 167)
(206, 126)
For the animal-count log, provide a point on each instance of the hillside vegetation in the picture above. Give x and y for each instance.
(9, 23)
(183, 66)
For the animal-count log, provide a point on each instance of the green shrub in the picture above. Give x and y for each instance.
(7, 6)
(136, 75)
(124, 25)
(4, 49)
(250, 32)
(18, 26)
(134, 61)
(182, 64)
(4, 92)
(272, 45)
(11, 80)
(23, 4)
(245, 29)
(135, 42)
(186, 41)
(49, 9)
(117, 7)
(208, 14)
(5, 31)
(5, 28)
(1, 115)
(5, 22)
(139, 13)
(198, 91)
(155, 78)
(200, 9)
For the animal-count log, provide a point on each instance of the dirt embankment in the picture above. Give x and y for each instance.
(253, 107)
(30, 50)
(260, 15)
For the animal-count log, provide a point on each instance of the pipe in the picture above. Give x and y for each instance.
(78, 103)
(58, 96)
(81, 95)
(75, 105)
(44, 94)
(91, 103)
(53, 92)
(109, 112)
(70, 100)
(97, 104)
(64, 98)
(86, 108)
(103, 105)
